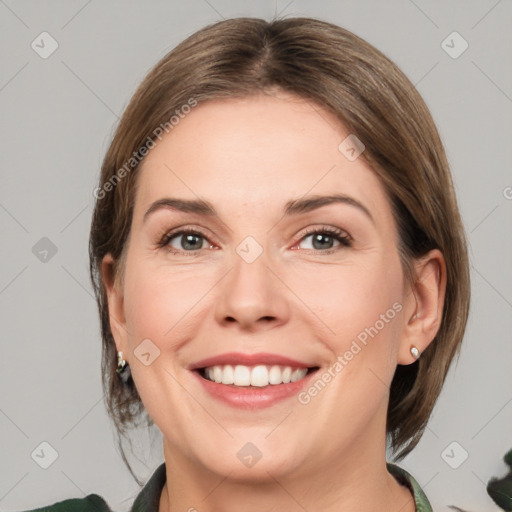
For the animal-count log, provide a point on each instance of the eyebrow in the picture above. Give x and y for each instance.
(293, 207)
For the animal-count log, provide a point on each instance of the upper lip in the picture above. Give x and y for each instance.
(260, 358)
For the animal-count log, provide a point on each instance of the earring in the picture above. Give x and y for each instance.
(123, 369)
(415, 352)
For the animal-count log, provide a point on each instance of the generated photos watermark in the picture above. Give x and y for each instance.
(138, 156)
(343, 360)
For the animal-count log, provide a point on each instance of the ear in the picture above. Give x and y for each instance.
(423, 305)
(115, 299)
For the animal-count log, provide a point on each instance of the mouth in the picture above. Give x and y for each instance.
(252, 381)
(258, 376)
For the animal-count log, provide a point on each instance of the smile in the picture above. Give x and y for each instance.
(252, 381)
(254, 376)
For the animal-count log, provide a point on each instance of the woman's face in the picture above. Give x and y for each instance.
(269, 286)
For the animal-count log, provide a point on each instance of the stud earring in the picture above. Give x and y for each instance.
(123, 369)
(415, 352)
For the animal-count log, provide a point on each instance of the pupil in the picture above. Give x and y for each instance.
(188, 239)
(321, 238)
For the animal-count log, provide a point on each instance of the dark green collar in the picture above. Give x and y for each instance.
(148, 499)
(405, 478)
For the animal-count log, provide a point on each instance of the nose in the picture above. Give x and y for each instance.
(252, 296)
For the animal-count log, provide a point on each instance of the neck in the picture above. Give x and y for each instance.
(355, 478)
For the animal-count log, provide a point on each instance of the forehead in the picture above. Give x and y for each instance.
(258, 151)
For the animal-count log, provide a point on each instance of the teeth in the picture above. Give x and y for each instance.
(217, 373)
(242, 376)
(228, 375)
(296, 375)
(275, 375)
(256, 376)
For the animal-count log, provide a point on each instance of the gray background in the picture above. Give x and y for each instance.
(58, 115)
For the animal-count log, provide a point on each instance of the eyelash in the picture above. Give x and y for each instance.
(344, 239)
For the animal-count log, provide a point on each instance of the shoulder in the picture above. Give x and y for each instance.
(91, 503)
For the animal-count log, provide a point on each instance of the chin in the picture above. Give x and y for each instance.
(250, 461)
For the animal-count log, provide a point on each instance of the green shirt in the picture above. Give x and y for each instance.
(149, 497)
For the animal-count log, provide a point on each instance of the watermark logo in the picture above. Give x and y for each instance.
(454, 45)
(44, 455)
(454, 455)
(44, 250)
(146, 352)
(44, 45)
(249, 249)
(351, 147)
(249, 455)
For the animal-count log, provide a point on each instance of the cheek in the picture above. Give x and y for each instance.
(161, 306)
(362, 308)
(160, 301)
(353, 301)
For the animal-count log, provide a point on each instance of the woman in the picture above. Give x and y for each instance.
(281, 271)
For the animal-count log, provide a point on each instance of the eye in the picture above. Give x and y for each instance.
(185, 241)
(325, 239)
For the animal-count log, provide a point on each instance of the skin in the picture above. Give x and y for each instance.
(248, 157)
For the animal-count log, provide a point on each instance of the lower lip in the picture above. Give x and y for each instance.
(246, 397)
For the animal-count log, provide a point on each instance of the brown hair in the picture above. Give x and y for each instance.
(334, 68)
